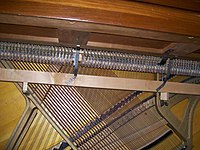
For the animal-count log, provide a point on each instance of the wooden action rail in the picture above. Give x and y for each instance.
(12, 75)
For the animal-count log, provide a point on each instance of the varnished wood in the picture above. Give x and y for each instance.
(27, 38)
(65, 35)
(73, 37)
(124, 13)
(192, 56)
(22, 33)
(193, 5)
(182, 49)
(62, 20)
(127, 40)
(11, 108)
(28, 30)
(99, 28)
(160, 20)
(96, 81)
(121, 47)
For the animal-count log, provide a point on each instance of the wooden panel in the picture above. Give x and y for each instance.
(181, 49)
(73, 37)
(125, 47)
(11, 32)
(182, 4)
(11, 108)
(27, 38)
(125, 40)
(96, 40)
(28, 30)
(198, 51)
(122, 13)
(64, 35)
(91, 27)
(193, 56)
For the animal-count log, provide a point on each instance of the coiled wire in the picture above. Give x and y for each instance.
(49, 54)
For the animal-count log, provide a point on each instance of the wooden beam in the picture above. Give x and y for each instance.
(73, 37)
(28, 30)
(125, 47)
(97, 28)
(193, 56)
(11, 32)
(121, 13)
(27, 38)
(182, 49)
(96, 81)
(193, 5)
(127, 40)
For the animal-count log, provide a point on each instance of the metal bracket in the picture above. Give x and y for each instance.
(165, 57)
(164, 99)
(182, 128)
(168, 73)
(76, 59)
(25, 87)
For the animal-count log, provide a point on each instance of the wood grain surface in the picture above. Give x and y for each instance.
(118, 13)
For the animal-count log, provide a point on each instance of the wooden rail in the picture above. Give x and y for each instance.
(12, 75)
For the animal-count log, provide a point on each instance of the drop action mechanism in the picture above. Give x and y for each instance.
(167, 65)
